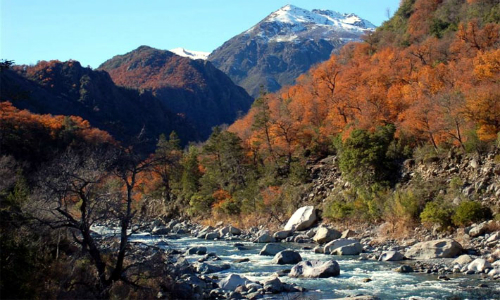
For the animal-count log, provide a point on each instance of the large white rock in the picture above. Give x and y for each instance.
(315, 269)
(463, 260)
(391, 256)
(351, 249)
(302, 219)
(444, 248)
(232, 281)
(479, 265)
(325, 235)
(335, 244)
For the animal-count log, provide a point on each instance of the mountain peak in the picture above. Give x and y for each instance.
(291, 22)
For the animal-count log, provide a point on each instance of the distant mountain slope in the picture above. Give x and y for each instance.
(194, 88)
(190, 54)
(284, 45)
(66, 88)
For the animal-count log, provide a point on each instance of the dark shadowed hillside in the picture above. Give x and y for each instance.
(69, 89)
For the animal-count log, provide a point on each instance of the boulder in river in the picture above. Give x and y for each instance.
(196, 250)
(479, 265)
(351, 249)
(160, 230)
(287, 257)
(232, 281)
(330, 247)
(212, 235)
(404, 269)
(271, 249)
(264, 238)
(315, 269)
(204, 268)
(391, 256)
(302, 219)
(273, 285)
(281, 235)
(324, 235)
(229, 230)
(444, 248)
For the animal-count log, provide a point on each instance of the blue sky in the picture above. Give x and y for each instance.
(92, 31)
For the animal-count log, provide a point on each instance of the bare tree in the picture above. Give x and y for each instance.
(79, 190)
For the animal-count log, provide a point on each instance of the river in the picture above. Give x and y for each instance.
(385, 283)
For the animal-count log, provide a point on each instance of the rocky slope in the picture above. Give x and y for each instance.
(66, 88)
(285, 44)
(473, 176)
(193, 88)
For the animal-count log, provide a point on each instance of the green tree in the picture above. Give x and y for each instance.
(363, 156)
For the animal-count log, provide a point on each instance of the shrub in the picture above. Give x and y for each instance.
(436, 213)
(469, 212)
(338, 210)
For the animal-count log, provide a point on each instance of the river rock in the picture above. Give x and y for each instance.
(391, 256)
(352, 249)
(348, 234)
(493, 237)
(204, 232)
(404, 269)
(302, 219)
(232, 281)
(264, 238)
(196, 250)
(479, 265)
(463, 260)
(271, 249)
(315, 269)
(444, 248)
(204, 268)
(229, 229)
(160, 230)
(324, 235)
(287, 257)
(281, 235)
(330, 247)
(212, 235)
(273, 285)
(478, 230)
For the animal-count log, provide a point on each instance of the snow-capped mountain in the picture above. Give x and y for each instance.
(285, 44)
(291, 22)
(190, 54)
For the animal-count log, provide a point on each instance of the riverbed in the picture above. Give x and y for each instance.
(385, 283)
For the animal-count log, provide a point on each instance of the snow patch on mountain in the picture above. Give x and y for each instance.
(191, 54)
(291, 22)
